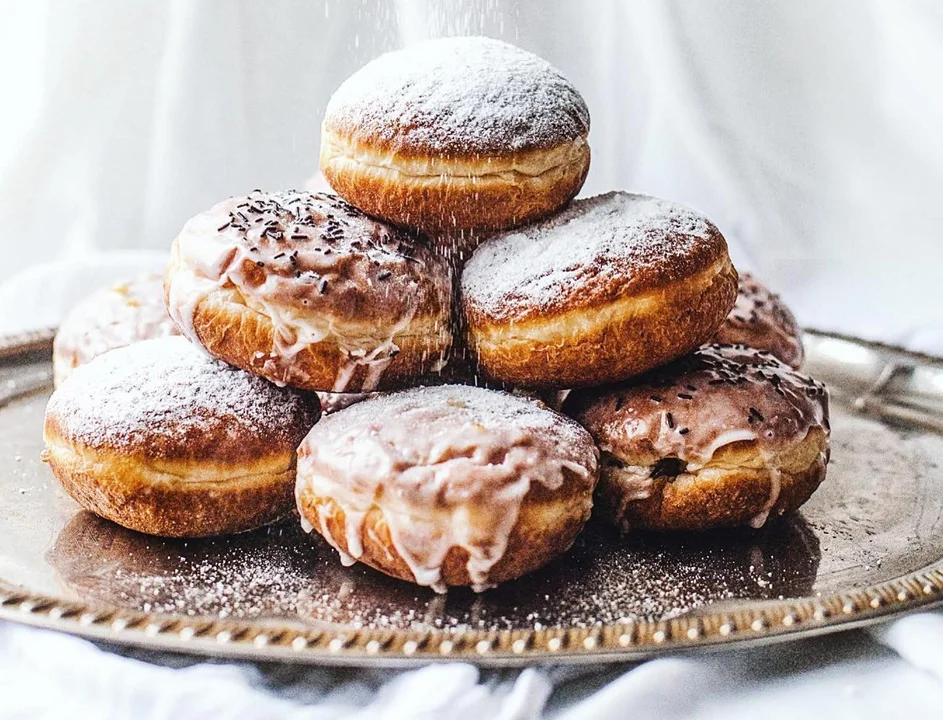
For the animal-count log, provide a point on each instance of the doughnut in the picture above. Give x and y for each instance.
(163, 439)
(456, 134)
(447, 485)
(110, 318)
(305, 290)
(614, 285)
(724, 437)
(760, 319)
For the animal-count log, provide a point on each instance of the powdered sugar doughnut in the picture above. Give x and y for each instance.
(725, 436)
(456, 134)
(110, 318)
(612, 286)
(306, 290)
(760, 319)
(448, 485)
(161, 438)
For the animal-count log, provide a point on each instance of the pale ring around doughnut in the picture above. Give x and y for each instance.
(611, 287)
(162, 439)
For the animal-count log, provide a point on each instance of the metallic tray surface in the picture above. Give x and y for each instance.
(868, 545)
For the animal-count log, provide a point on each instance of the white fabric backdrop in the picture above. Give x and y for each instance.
(809, 130)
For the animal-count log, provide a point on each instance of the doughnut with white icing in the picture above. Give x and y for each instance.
(726, 436)
(163, 439)
(447, 485)
(110, 318)
(761, 320)
(612, 286)
(454, 135)
(305, 290)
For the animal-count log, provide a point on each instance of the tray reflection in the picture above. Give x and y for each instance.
(279, 572)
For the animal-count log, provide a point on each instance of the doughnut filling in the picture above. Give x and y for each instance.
(760, 319)
(454, 134)
(110, 318)
(612, 286)
(723, 437)
(163, 439)
(448, 485)
(306, 290)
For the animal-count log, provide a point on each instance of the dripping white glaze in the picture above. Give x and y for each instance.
(318, 269)
(458, 483)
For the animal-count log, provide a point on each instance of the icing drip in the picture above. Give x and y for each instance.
(320, 270)
(690, 409)
(775, 484)
(458, 483)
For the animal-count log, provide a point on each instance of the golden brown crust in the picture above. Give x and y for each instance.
(161, 498)
(234, 332)
(481, 194)
(546, 527)
(606, 342)
(161, 438)
(731, 490)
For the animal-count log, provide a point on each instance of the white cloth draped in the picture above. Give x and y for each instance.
(809, 130)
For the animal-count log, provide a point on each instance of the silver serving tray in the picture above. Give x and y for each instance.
(866, 547)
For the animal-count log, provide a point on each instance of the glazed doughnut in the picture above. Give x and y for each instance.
(614, 285)
(761, 320)
(161, 438)
(447, 485)
(725, 436)
(305, 290)
(456, 134)
(110, 318)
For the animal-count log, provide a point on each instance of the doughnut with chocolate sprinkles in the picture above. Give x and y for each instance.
(305, 290)
(725, 436)
(761, 320)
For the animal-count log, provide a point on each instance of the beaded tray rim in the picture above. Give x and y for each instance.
(751, 623)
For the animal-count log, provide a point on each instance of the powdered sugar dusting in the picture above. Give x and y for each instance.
(462, 95)
(168, 389)
(596, 242)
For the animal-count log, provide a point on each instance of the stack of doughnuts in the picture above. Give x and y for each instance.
(448, 282)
